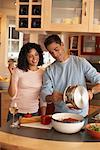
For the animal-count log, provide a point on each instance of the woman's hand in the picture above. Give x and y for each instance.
(11, 69)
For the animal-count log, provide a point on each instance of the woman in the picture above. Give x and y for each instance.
(26, 80)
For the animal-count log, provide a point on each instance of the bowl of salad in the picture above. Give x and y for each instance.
(93, 129)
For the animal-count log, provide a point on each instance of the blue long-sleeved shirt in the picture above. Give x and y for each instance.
(74, 71)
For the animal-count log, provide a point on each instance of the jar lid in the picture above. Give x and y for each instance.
(81, 97)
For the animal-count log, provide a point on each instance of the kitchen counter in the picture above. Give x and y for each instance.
(39, 139)
(42, 139)
(14, 142)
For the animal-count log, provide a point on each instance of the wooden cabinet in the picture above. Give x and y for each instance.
(73, 16)
(94, 16)
(29, 15)
(90, 45)
(74, 44)
(0, 30)
(4, 106)
(67, 15)
(56, 15)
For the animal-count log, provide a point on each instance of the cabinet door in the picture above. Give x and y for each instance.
(90, 45)
(5, 102)
(29, 15)
(97, 46)
(94, 19)
(67, 15)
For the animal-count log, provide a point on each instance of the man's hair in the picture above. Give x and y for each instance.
(52, 38)
(22, 59)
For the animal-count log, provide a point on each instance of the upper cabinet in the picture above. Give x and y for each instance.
(29, 14)
(67, 15)
(94, 19)
(90, 45)
(58, 15)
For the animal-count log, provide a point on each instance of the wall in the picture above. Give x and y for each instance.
(7, 8)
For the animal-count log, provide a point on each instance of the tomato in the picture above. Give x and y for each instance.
(45, 119)
(28, 115)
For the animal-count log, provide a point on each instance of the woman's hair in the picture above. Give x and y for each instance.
(52, 38)
(22, 58)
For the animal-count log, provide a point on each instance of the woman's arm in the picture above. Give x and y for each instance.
(13, 81)
(12, 89)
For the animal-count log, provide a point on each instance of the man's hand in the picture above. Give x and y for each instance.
(55, 97)
(90, 93)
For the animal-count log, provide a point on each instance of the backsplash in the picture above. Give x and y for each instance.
(92, 59)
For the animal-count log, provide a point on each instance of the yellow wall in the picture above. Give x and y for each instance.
(4, 13)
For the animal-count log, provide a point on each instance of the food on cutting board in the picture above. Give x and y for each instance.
(23, 120)
(28, 118)
(45, 119)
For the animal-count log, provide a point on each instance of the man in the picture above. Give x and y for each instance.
(66, 71)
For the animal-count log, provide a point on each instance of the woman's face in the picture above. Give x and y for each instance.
(33, 57)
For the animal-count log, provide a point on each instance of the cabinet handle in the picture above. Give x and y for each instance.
(85, 8)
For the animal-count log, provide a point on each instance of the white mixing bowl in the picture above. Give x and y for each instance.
(67, 127)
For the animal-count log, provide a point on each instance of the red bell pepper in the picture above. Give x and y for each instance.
(45, 119)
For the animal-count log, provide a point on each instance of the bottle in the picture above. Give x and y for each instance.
(23, 22)
(23, 10)
(36, 10)
(36, 23)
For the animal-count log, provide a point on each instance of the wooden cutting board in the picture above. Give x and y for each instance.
(37, 125)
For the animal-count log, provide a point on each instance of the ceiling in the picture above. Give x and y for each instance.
(8, 4)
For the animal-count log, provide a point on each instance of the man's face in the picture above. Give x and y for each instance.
(57, 51)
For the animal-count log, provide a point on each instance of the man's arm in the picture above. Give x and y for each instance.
(47, 89)
(94, 90)
(54, 97)
(93, 76)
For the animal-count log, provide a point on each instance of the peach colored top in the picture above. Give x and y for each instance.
(28, 85)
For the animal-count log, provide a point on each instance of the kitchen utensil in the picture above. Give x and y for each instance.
(96, 118)
(67, 127)
(77, 96)
(93, 129)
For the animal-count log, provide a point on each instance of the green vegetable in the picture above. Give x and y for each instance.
(95, 128)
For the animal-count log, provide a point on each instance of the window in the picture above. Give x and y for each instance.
(15, 42)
